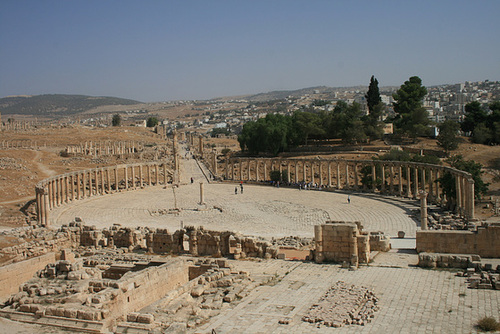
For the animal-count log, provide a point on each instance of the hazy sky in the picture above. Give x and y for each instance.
(169, 50)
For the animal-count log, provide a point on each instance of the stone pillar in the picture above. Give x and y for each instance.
(140, 177)
(164, 165)
(157, 174)
(125, 175)
(356, 179)
(391, 171)
(423, 209)
(149, 175)
(200, 148)
(374, 177)
(108, 180)
(400, 184)
(415, 183)
(78, 186)
(296, 171)
(288, 174)
(202, 199)
(241, 170)
(408, 181)
(329, 174)
(423, 179)
(72, 198)
(346, 175)
(338, 175)
(383, 178)
(265, 170)
(257, 170)
(312, 171)
(438, 186)
(66, 188)
(96, 176)
(84, 184)
(431, 186)
(304, 171)
(470, 196)
(117, 182)
(227, 168)
(103, 186)
(320, 174)
(458, 185)
(46, 207)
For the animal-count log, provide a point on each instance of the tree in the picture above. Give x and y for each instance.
(448, 138)
(373, 95)
(474, 115)
(151, 122)
(412, 118)
(447, 181)
(308, 124)
(116, 120)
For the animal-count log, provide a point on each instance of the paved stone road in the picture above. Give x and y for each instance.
(411, 300)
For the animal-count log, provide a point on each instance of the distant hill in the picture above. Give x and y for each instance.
(56, 104)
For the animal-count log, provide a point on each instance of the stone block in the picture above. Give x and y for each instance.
(145, 318)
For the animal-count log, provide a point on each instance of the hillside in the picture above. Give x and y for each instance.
(56, 104)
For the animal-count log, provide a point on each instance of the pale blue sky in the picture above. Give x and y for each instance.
(167, 50)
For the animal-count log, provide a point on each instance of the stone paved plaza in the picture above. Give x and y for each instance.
(411, 300)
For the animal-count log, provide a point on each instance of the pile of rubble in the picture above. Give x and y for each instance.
(34, 241)
(439, 220)
(11, 164)
(484, 277)
(343, 305)
(295, 242)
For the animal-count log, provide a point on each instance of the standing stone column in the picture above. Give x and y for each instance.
(227, 168)
(265, 170)
(164, 165)
(391, 171)
(78, 186)
(125, 175)
(202, 193)
(458, 185)
(46, 207)
(157, 174)
(438, 186)
(296, 171)
(400, 176)
(288, 174)
(338, 175)
(117, 182)
(200, 148)
(318, 240)
(329, 174)
(356, 179)
(415, 183)
(312, 171)
(346, 175)
(108, 180)
(149, 175)
(470, 196)
(374, 177)
(103, 185)
(383, 178)
(241, 170)
(320, 173)
(423, 179)
(141, 185)
(304, 177)
(423, 209)
(66, 188)
(408, 181)
(72, 187)
(257, 163)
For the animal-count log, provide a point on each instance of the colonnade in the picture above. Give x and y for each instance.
(104, 148)
(65, 188)
(405, 179)
(19, 143)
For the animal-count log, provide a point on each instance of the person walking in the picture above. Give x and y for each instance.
(241, 188)
(348, 199)
(236, 190)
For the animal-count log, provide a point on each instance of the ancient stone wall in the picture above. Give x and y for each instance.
(341, 242)
(13, 275)
(483, 242)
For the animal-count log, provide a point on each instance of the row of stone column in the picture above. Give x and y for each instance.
(19, 143)
(402, 179)
(53, 192)
(104, 148)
